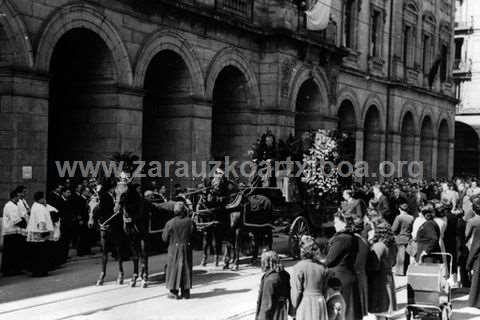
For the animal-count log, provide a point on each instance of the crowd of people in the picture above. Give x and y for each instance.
(380, 230)
(38, 238)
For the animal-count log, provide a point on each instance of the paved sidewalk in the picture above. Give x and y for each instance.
(216, 294)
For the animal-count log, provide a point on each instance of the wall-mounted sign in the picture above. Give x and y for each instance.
(27, 172)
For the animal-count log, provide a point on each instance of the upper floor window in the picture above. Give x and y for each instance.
(349, 23)
(426, 53)
(429, 28)
(444, 63)
(376, 33)
(410, 20)
(407, 46)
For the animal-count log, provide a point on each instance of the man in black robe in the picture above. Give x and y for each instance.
(178, 233)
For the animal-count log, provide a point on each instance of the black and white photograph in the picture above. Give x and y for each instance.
(239, 159)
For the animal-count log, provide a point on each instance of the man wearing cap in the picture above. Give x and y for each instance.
(178, 233)
(402, 229)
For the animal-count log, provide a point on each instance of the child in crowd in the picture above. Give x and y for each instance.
(335, 302)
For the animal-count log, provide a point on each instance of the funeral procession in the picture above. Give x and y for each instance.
(239, 159)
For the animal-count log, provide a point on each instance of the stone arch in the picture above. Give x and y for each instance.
(232, 57)
(86, 17)
(407, 139)
(443, 149)
(233, 124)
(373, 100)
(408, 109)
(303, 74)
(373, 132)
(351, 96)
(169, 40)
(16, 33)
(347, 125)
(466, 150)
(427, 137)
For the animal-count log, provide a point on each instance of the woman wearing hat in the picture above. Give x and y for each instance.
(309, 280)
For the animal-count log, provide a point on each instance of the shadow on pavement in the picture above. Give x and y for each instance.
(217, 292)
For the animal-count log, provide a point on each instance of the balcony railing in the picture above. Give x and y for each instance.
(241, 8)
(462, 69)
(465, 26)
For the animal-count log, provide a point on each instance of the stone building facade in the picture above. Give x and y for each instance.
(191, 79)
(466, 72)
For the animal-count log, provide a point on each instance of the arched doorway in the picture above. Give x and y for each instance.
(82, 116)
(372, 142)
(167, 133)
(426, 147)
(466, 150)
(233, 122)
(308, 108)
(443, 150)
(407, 142)
(347, 126)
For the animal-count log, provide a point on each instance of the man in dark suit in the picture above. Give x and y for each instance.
(402, 229)
(397, 199)
(383, 207)
(80, 200)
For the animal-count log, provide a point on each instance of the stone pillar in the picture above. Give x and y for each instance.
(434, 158)
(396, 149)
(451, 159)
(128, 121)
(359, 147)
(383, 146)
(23, 131)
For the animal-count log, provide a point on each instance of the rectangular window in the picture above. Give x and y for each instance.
(376, 34)
(426, 53)
(444, 63)
(406, 45)
(349, 24)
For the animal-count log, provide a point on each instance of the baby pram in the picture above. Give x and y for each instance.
(428, 291)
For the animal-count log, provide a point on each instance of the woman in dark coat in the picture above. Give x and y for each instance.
(178, 232)
(361, 263)
(381, 285)
(274, 295)
(473, 261)
(341, 259)
(428, 234)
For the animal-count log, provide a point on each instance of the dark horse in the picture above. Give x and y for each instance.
(250, 214)
(228, 213)
(111, 229)
(135, 212)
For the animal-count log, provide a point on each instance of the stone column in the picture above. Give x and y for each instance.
(396, 149)
(434, 158)
(359, 147)
(23, 131)
(451, 158)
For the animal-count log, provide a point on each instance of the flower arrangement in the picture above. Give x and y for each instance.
(321, 172)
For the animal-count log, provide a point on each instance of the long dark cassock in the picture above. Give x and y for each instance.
(473, 261)
(178, 232)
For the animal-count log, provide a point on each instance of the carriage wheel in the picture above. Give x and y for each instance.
(299, 228)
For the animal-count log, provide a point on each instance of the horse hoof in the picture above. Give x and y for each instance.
(133, 282)
(204, 262)
(100, 280)
(225, 266)
(144, 284)
(217, 259)
(120, 278)
(235, 268)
